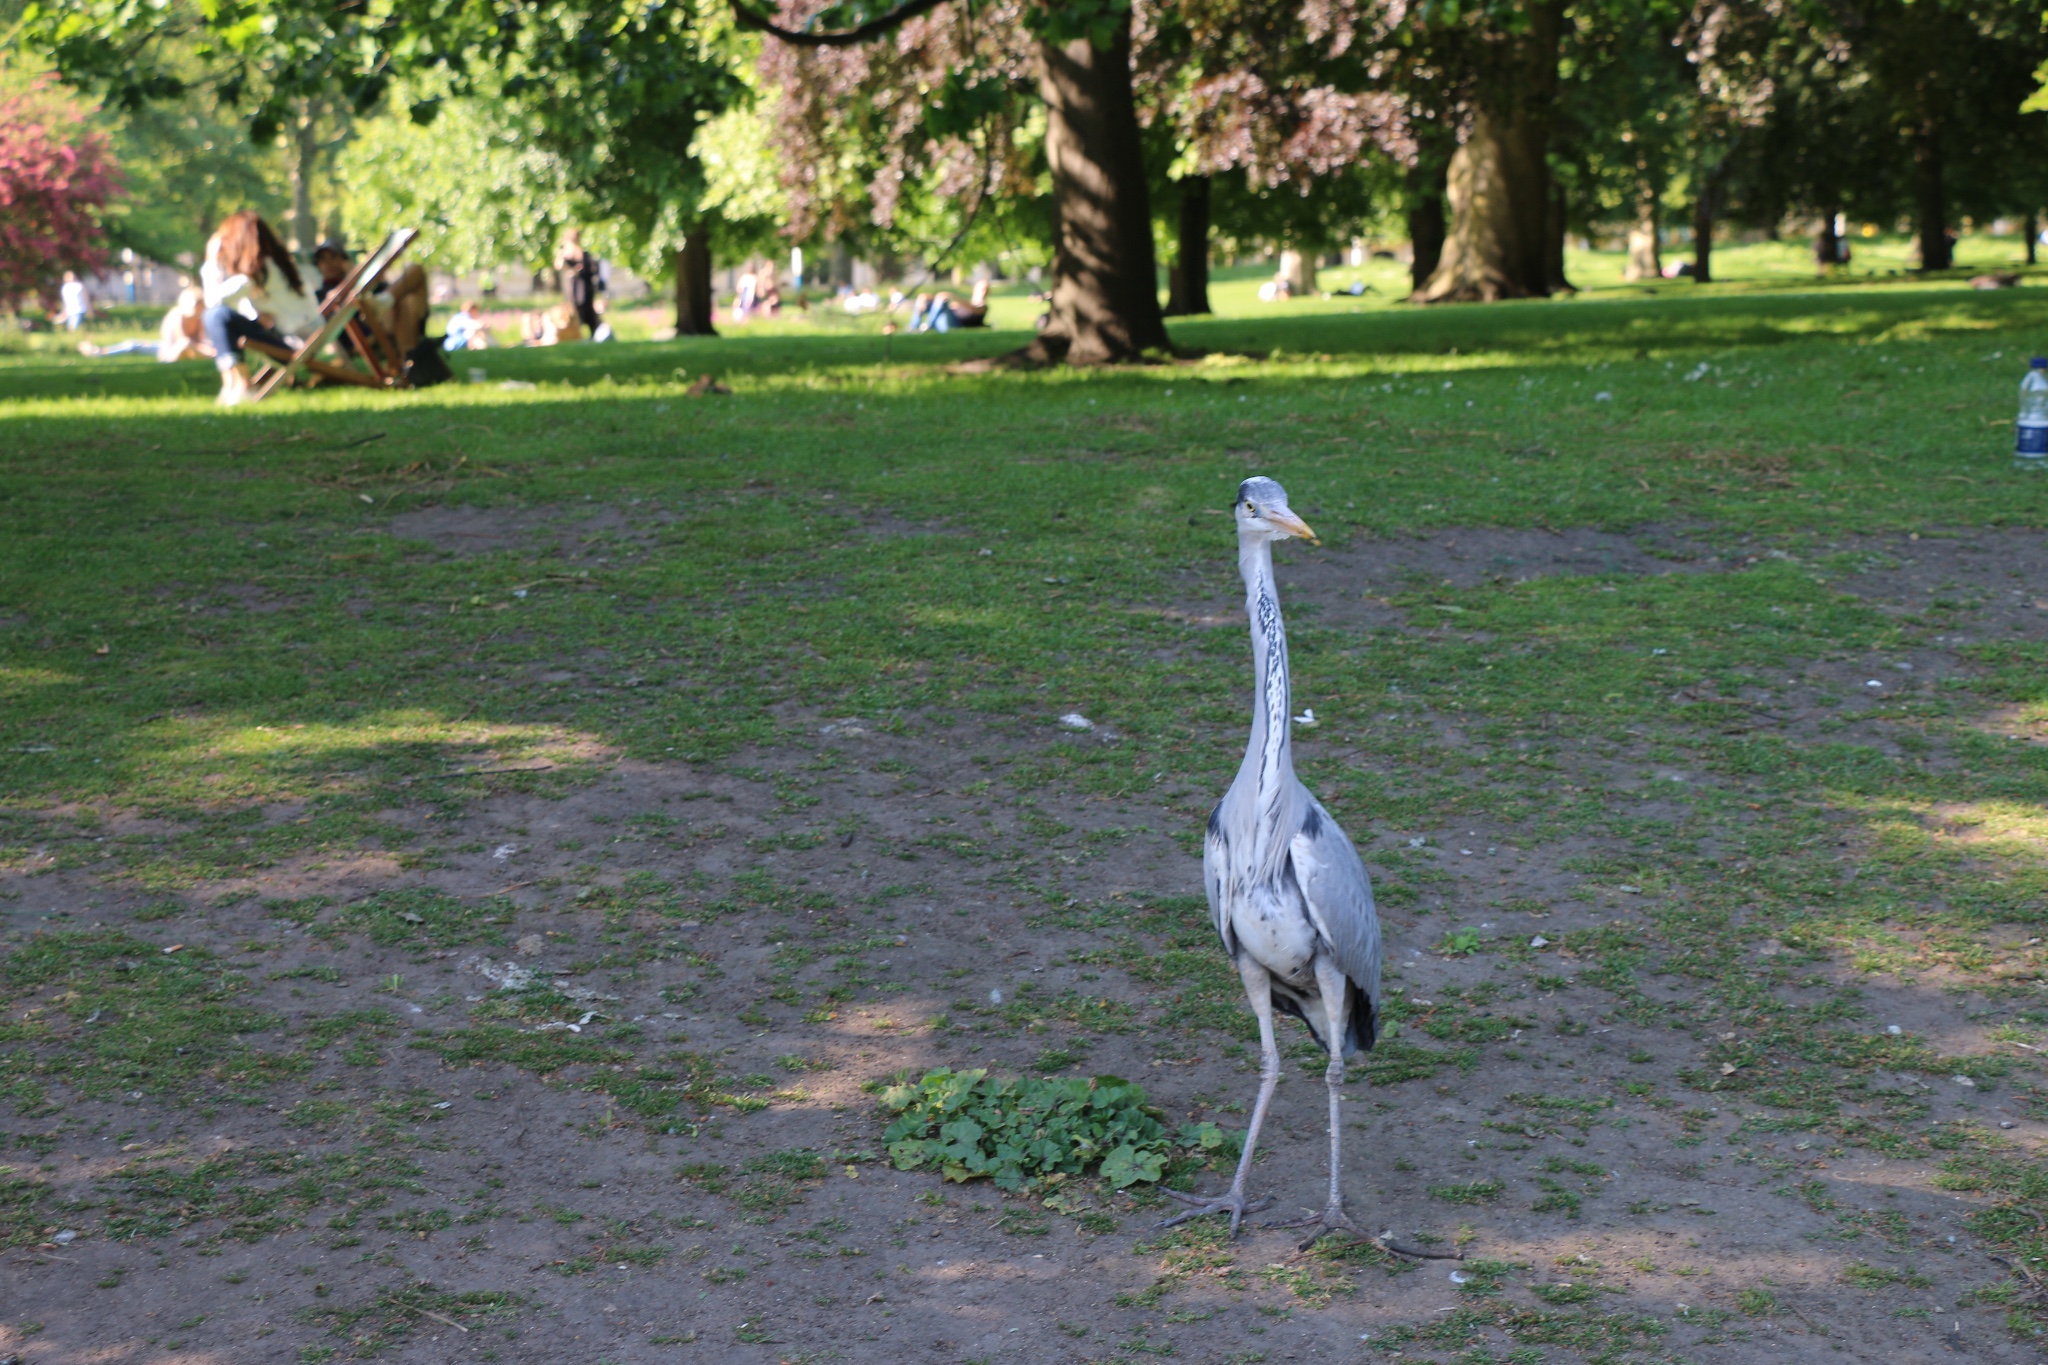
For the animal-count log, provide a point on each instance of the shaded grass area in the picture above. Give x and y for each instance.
(215, 657)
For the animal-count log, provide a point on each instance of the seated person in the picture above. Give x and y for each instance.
(253, 292)
(556, 325)
(179, 336)
(467, 330)
(402, 315)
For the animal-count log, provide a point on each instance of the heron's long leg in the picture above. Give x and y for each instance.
(1336, 1000)
(1258, 988)
(1336, 1003)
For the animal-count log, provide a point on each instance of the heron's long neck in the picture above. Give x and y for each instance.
(1267, 760)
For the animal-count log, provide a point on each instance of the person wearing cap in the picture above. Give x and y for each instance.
(406, 305)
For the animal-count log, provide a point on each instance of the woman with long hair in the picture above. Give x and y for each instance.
(253, 292)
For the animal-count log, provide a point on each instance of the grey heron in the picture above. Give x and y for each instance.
(1288, 894)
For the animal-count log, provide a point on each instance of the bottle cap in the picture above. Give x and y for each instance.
(2040, 362)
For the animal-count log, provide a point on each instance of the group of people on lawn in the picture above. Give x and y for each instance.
(251, 289)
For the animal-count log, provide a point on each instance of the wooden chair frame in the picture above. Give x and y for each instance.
(382, 363)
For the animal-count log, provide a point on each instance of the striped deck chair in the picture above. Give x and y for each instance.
(376, 363)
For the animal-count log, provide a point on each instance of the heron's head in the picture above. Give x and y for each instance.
(1262, 511)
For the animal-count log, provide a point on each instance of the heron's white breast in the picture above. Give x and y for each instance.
(1273, 926)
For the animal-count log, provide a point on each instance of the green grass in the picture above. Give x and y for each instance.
(205, 623)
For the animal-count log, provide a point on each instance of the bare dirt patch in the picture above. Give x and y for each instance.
(929, 886)
(803, 922)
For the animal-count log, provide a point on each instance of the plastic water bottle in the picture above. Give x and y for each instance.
(2030, 449)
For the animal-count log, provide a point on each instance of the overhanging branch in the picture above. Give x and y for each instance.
(873, 28)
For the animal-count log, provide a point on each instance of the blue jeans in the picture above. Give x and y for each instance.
(227, 330)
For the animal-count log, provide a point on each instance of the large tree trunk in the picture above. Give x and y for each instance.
(1105, 290)
(1425, 221)
(2032, 226)
(1930, 201)
(304, 153)
(1643, 260)
(694, 301)
(1188, 283)
(1705, 206)
(1499, 181)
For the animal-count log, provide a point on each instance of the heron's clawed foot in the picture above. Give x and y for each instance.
(1232, 1202)
(1321, 1225)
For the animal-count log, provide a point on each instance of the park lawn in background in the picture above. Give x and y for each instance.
(762, 694)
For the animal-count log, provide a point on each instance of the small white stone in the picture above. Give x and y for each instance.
(1539, 942)
(995, 997)
(1894, 1030)
(1074, 720)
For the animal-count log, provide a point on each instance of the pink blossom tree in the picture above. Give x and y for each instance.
(56, 175)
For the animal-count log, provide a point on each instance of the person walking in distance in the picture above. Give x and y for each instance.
(72, 301)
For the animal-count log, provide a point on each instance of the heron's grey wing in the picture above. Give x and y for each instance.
(1215, 870)
(1339, 895)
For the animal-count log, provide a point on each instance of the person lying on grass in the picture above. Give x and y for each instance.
(178, 337)
(253, 293)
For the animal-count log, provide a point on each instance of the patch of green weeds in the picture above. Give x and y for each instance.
(1016, 1131)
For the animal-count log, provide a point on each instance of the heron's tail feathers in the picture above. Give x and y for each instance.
(1361, 1021)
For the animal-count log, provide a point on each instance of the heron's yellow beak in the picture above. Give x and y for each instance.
(1293, 525)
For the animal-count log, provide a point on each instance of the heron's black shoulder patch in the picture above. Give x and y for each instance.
(1312, 823)
(1216, 821)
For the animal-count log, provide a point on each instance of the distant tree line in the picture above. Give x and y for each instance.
(1114, 136)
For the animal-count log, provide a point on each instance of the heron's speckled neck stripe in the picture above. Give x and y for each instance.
(1267, 751)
